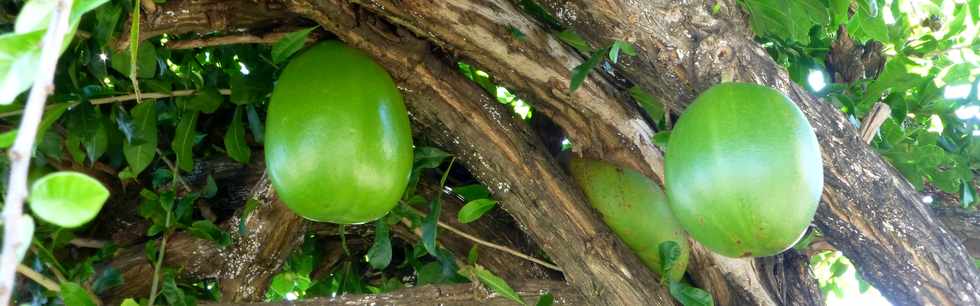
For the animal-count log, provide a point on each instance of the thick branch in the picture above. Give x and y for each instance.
(243, 268)
(600, 120)
(868, 210)
(457, 294)
(504, 155)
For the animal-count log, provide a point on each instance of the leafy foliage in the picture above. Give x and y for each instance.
(932, 53)
(929, 80)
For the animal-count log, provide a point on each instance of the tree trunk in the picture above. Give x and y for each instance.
(883, 220)
(868, 210)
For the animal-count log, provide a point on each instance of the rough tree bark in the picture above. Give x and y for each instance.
(244, 268)
(450, 295)
(506, 156)
(868, 210)
(539, 66)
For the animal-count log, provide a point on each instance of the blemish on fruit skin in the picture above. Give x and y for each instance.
(739, 241)
(747, 254)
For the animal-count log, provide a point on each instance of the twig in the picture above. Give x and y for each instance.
(270, 38)
(87, 243)
(152, 95)
(38, 278)
(20, 153)
(159, 264)
(174, 170)
(869, 127)
(488, 243)
(133, 51)
(126, 97)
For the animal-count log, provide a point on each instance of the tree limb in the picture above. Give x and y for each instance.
(448, 294)
(598, 118)
(868, 210)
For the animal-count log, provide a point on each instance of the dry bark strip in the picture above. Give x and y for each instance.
(868, 210)
(456, 294)
(538, 66)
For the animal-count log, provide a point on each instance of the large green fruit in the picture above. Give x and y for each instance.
(634, 208)
(338, 145)
(743, 170)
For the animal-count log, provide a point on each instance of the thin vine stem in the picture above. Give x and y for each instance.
(489, 244)
(20, 153)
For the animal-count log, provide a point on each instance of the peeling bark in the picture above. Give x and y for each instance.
(868, 210)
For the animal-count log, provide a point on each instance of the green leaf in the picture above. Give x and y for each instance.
(51, 115)
(20, 51)
(670, 251)
(651, 105)
(146, 60)
(430, 228)
(573, 39)
(620, 45)
(661, 138)
(838, 268)
(838, 11)
(67, 199)
(867, 24)
(140, 155)
(429, 157)
(379, 256)
(183, 143)
(235, 139)
(547, 299)
(109, 278)
(472, 256)
(690, 296)
(250, 206)
(206, 101)
(210, 188)
(496, 284)
(7, 138)
(73, 294)
(472, 192)
(255, 124)
(974, 6)
(968, 196)
(475, 209)
(517, 33)
(289, 44)
(247, 89)
(582, 71)
(204, 229)
(134, 42)
(788, 20)
(129, 302)
(174, 295)
(107, 17)
(19, 58)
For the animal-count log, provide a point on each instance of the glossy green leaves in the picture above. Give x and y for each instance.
(67, 199)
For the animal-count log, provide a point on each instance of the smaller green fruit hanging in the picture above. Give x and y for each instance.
(635, 209)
